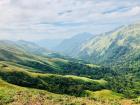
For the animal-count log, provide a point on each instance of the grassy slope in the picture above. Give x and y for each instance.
(119, 46)
(16, 75)
(72, 85)
(16, 95)
(104, 95)
(54, 65)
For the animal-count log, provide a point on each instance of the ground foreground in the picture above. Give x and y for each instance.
(15, 95)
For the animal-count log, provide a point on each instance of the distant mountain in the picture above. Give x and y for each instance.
(29, 55)
(71, 47)
(120, 45)
(49, 43)
(23, 47)
(34, 48)
(24, 64)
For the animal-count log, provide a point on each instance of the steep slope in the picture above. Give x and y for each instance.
(71, 46)
(121, 45)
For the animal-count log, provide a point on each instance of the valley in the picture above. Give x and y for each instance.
(36, 75)
(69, 52)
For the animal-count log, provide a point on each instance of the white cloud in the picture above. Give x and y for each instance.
(36, 19)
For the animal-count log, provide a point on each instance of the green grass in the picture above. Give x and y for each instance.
(101, 81)
(137, 100)
(72, 85)
(104, 95)
(16, 95)
(25, 79)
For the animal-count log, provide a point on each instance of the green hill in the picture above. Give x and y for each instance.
(22, 47)
(51, 63)
(104, 95)
(54, 83)
(117, 46)
(71, 46)
(91, 91)
(16, 95)
(63, 75)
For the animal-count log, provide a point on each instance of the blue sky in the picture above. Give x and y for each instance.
(52, 19)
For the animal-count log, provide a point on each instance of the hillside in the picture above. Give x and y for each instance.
(69, 52)
(23, 47)
(117, 46)
(63, 75)
(54, 83)
(71, 85)
(54, 63)
(72, 45)
(15, 95)
(114, 47)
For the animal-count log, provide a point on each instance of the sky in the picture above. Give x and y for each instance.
(56, 19)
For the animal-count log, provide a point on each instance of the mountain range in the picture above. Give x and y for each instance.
(117, 46)
(102, 69)
(72, 46)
